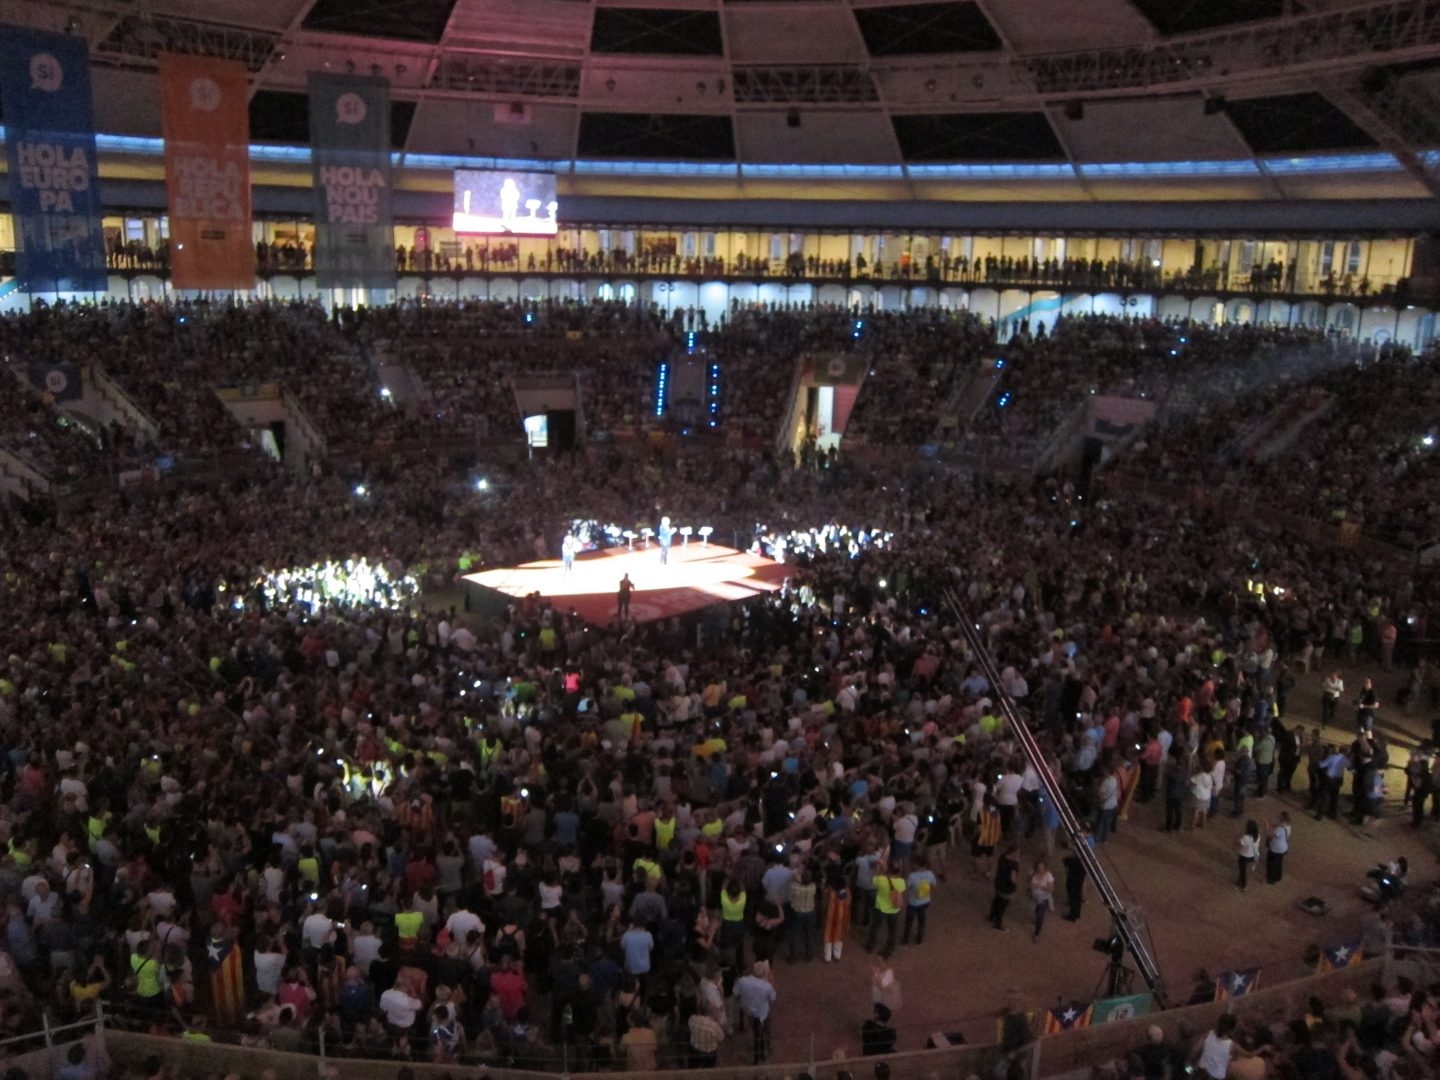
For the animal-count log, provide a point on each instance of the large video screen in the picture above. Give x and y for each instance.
(504, 203)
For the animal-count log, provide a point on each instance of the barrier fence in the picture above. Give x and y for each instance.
(1044, 1057)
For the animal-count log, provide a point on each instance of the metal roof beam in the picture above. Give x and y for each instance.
(1403, 119)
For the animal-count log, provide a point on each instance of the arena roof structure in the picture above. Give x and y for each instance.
(1260, 99)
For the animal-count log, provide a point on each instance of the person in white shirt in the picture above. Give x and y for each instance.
(1202, 786)
(400, 1008)
(1007, 798)
(365, 948)
(44, 905)
(317, 929)
(461, 922)
(1213, 1060)
(1331, 689)
(903, 833)
(161, 901)
(269, 963)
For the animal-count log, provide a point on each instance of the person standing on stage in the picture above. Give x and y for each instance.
(665, 534)
(622, 599)
(568, 547)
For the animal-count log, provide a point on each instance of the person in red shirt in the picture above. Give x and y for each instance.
(421, 871)
(509, 987)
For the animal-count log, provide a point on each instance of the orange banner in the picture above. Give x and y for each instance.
(205, 105)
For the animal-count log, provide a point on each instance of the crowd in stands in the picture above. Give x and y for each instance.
(54, 444)
(528, 841)
(1328, 428)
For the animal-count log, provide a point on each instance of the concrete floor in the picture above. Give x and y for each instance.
(1184, 884)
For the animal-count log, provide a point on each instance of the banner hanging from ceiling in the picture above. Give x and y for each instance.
(350, 149)
(205, 112)
(50, 145)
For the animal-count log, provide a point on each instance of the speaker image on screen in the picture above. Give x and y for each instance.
(562, 430)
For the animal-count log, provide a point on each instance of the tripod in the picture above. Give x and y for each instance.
(1115, 979)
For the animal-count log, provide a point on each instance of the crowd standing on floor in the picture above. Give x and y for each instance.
(421, 835)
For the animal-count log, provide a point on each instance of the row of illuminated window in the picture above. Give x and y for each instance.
(1297, 265)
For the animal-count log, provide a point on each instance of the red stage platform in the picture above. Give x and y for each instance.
(697, 576)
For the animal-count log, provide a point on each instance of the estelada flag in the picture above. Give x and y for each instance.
(1340, 956)
(1068, 1018)
(227, 979)
(1234, 984)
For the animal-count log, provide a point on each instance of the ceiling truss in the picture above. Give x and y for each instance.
(1402, 117)
(138, 41)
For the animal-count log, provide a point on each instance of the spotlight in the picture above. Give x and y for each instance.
(1113, 947)
(1074, 110)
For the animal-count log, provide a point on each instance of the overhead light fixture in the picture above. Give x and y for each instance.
(1214, 104)
(1074, 110)
(792, 118)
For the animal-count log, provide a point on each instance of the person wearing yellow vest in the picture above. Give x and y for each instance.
(889, 900)
(647, 869)
(144, 980)
(408, 923)
(490, 748)
(732, 920)
(96, 824)
(665, 828)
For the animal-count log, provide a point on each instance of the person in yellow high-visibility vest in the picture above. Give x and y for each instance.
(408, 923)
(889, 900)
(665, 825)
(732, 920)
(646, 869)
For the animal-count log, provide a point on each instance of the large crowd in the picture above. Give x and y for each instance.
(424, 835)
(1240, 409)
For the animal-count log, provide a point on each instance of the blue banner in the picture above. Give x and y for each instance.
(60, 381)
(350, 148)
(50, 144)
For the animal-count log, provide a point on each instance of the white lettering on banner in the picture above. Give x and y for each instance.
(55, 172)
(352, 194)
(208, 188)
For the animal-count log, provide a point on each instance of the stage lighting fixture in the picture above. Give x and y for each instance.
(792, 118)
(1074, 110)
